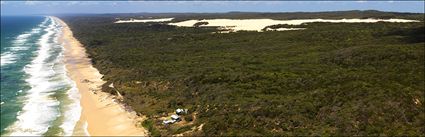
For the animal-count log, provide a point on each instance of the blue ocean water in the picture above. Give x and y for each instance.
(37, 97)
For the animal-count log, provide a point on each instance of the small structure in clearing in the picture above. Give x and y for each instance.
(175, 117)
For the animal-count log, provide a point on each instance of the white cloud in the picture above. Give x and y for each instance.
(53, 4)
(73, 2)
(63, 3)
(89, 3)
(325, 1)
(32, 2)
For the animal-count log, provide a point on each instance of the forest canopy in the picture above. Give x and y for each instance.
(330, 79)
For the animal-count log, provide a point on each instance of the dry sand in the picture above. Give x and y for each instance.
(101, 115)
(259, 24)
(144, 20)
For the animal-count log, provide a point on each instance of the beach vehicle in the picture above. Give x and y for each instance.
(179, 111)
(175, 117)
(170, 121)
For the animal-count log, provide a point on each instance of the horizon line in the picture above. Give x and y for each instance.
(218, 12)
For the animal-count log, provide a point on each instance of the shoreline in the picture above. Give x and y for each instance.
(101, 115)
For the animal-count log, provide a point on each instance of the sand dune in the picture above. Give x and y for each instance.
(144, 20)
(259, 24)
(231, 25)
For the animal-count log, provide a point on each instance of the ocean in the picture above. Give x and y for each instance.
(37, 96)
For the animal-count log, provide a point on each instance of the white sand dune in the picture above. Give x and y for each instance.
(259, 24)
(144, 20)
(232, 25)
(284, 29)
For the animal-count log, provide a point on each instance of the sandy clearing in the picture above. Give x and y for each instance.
(144, 20)
(259, 24)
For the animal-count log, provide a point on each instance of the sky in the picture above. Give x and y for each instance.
(70, 7)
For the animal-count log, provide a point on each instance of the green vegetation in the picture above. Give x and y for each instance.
(270, 15)
(197, 24)
(277, 26)
(330, 79)
(188, 118)
(183, 129)
(149, 125)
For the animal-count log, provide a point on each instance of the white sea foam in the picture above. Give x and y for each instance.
(40, 109)
(86, 132)
(45, 78)
(19, 48)
(21, 39)
(72, 110)
(43, 24)
(19, 44)
(7, 58)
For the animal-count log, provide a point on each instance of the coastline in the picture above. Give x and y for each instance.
(101, 115)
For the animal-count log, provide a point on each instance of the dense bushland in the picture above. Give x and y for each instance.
(330, 79)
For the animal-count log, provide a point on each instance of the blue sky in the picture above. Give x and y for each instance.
(60, 7)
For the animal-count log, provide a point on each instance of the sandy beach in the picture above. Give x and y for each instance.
(101, 115)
